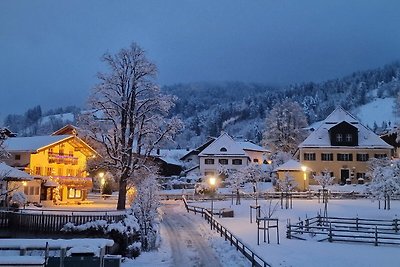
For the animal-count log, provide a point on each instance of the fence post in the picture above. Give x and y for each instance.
(330, 232)
(357, 223)
(396, 226)
(376, 235)
(289, 230)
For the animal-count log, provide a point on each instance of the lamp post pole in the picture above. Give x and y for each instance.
(212, 182)
(304, 168)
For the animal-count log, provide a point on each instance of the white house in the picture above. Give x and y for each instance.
(12, 180)
(224, 152)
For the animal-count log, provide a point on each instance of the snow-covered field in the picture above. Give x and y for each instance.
(292, 252)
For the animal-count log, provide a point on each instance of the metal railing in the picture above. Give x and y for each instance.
(255, 260)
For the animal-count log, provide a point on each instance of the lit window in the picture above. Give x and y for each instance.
(74, 193)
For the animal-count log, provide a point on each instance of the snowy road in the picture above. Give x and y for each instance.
(189, 247)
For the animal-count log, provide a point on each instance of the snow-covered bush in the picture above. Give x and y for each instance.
(146, 210)
(385, 181)
(124, 232)
(18, 199)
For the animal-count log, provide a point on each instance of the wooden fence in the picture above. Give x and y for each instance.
(48, 223)
(338, 229)
(256, 261)
(269, 195)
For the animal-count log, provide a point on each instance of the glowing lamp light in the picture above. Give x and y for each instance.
(212, 181)
(24, 183)
(304, 168)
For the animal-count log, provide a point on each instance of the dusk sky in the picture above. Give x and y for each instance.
(50, 50)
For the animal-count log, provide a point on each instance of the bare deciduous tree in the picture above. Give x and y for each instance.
(128, 114)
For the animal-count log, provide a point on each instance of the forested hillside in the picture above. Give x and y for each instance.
(241, 108)
(236, 107)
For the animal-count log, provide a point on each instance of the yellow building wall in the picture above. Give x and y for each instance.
(47, 162)
(301, 183)
(335, 166)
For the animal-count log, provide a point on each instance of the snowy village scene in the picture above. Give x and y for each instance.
(199, 133)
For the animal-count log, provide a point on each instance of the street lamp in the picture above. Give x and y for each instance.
(102, 180)
(304, 169)
(212, 181)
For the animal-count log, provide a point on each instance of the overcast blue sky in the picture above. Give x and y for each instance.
(50, 50)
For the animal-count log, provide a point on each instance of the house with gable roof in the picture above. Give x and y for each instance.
(55, 161)
(230, 154)
(342, 146)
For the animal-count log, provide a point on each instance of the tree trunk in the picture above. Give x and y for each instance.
(122, 193)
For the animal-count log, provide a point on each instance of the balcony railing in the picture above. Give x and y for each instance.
(62, 159)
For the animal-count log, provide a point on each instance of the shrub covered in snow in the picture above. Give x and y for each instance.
(18, 199)
(124, 232)
(146, 210)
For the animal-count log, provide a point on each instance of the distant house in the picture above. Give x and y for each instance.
(393, 139)
(169, 161)
(57, 161)
(297, 171)
(342, 146)
(230, 154)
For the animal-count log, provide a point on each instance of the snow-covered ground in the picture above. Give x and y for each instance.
(186, 240)
(378, 110)
(292, 252)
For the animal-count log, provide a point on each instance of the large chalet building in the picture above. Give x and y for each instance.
(56, 161)
(342, 146)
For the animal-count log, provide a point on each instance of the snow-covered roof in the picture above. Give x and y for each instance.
(170, 156)
(224, 145)
(246, 145)
(290, 165)
(320, 137)
(33, 143)
(8, 172)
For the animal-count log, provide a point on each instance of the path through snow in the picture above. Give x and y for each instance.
(189, 247)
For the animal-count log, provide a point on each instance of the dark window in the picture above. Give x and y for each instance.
(362, 157)
(360, 175)
(309, 156)
(339, 138)
(237, 162)
(223, 161)
(327, 156)
(380, 156)
(223, 149)
(255, 160)
(17, 157)
(345, 157)
(349, 138)
(209, 161)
